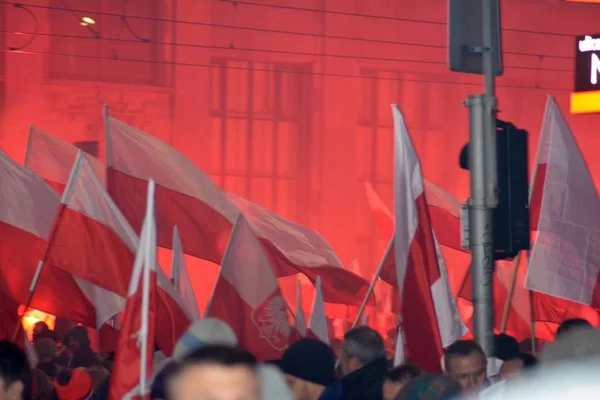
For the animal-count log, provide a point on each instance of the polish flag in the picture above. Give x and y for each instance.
(300, 320)
(92, 240)
(565, 259)
(28, 207)
(293, 248)
(186, 197)
(318, 328)
(52, 159)
(247, 296)
(181, 279)
(421, 274)
(132, 369)
(444, 211)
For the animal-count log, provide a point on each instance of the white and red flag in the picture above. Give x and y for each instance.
(318, 327)
(132, 368)
(92, 240)
(293, 248)
(52, 159)
(181, 279)
(248, 298)
(28, 207)
(188, 199)
(565, 210)
(430, 319)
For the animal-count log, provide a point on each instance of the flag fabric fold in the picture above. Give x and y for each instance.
(299, 320)
(248, 298)
(132, 368)
(421, 280)
(181, 279)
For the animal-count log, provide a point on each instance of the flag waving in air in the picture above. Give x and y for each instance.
(248, 298)
(430, 319)
(181, 279)
(565, 210)
(133, 363)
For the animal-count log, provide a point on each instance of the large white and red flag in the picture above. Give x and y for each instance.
(132, 369)
(92, 240)
(187, 198)
(28, 207)
(565, 210)
(430, 319)
(318, 327)
(248, 298)
(181, 279)
(52, 159)
(293, 248)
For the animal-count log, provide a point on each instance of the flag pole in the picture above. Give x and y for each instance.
(361, 310)
(511, 292)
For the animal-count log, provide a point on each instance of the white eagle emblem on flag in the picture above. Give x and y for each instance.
(270, 318)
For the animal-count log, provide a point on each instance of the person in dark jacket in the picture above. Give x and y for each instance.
(363, 365)
(77, 352)
(309, 367)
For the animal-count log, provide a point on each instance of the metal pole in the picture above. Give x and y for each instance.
(489, 129)
(480, 229)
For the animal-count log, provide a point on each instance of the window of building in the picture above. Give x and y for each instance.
(261, 134)
(95, 52)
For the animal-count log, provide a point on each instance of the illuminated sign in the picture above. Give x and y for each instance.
(583, 1)
(586, 96)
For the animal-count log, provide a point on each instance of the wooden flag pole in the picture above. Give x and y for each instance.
(511, 292)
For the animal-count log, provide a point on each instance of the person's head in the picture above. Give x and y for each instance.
(361, 346)
(397, 378)
(214, 373)
(430, 387)
(516, 366)
(465, 362)
(40, 329)
(15, 375)
(570, 325)
(309, 366)
(506, 347)
(78, 339)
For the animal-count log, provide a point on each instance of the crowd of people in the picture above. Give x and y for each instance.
(208, 365)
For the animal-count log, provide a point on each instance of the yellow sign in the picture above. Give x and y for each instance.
(585, 102)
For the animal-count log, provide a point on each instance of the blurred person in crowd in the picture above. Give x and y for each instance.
(209, 331)
(466, 363)
(578, 344)
(516, 366)
(45, 348)
(363, 364)
(215, 373)
(273, 385)
(15, 375)
(571, 324)
(397, 378)
(73, 384)
(42, 330)
(77, 353)
(430, 387)
(41, 386)
(309, 367)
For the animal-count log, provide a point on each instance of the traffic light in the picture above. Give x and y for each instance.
(511, 217)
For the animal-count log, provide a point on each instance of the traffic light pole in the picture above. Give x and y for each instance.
(484, 190)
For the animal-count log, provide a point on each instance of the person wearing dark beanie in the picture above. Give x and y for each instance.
(309, 368)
